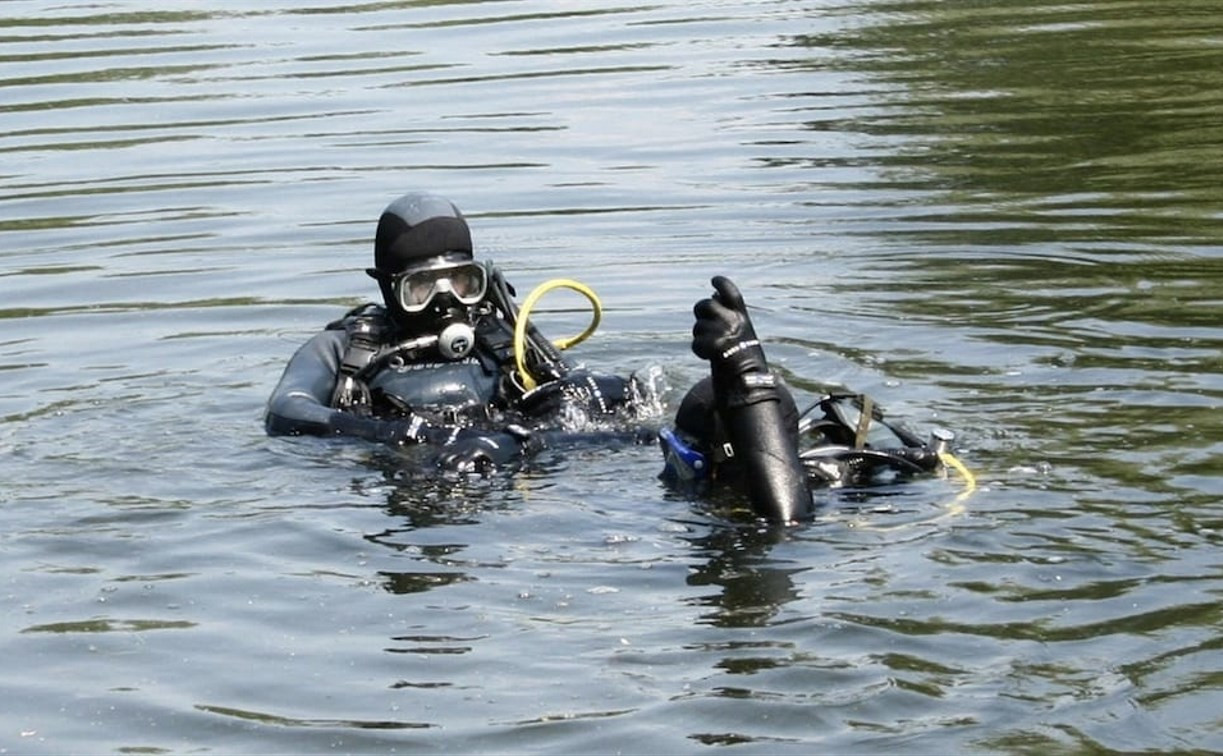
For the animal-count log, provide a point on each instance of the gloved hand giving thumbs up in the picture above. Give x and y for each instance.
(723, 334)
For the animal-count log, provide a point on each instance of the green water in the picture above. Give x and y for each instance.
(1002, 218)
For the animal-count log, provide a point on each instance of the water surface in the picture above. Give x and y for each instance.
(1001, 219)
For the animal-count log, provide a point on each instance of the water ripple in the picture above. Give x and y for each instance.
(999, 218)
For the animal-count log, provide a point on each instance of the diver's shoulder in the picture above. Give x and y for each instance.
(369, 312)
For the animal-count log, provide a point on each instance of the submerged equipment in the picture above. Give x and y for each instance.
(861, 444)
(843, 439)
(854, 444)
(848, 444)
(941, 442)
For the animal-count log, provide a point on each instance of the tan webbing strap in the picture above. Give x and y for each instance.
(864, 422)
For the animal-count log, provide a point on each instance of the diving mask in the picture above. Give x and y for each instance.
(416, 288)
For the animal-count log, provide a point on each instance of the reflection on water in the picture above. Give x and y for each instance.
(1052, 174)
(1003, 219)
(751, 588)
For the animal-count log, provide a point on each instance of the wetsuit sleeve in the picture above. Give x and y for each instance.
(595, 394)
(300, 403)
(748, 399)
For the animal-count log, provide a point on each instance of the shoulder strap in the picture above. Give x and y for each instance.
(367, 327)
(368, 309)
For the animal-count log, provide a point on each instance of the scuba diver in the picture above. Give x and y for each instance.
(741, 427)
(437, 363)
(450, 362)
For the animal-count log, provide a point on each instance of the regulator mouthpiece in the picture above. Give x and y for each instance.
(456, 340)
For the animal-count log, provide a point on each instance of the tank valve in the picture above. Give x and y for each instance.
(940, 440)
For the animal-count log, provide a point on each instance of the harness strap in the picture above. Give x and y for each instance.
(864, 421)
(361, 350)
(365, 328)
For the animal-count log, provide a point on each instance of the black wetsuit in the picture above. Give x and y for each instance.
(416, 396)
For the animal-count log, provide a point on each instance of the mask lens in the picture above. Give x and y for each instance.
(467, 283)
(417, 288)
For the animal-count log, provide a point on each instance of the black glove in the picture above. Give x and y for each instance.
(477, 454)
(413, 429)
(481, 452)
(397, 432)
(461, 449)
(596, 393)
(723, 334)
(405, 431)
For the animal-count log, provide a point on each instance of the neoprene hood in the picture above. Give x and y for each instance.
(413, 229)
(416, 227)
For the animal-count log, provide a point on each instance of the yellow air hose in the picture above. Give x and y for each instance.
(524, 312)
(956, 506)
(953, 508)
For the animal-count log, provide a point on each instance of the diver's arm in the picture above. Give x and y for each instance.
(300, 403)
(748, 400)
(480, 451)
(594, 394)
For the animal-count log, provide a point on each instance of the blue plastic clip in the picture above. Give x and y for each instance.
(681, 459)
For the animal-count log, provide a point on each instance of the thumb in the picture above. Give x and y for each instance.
(727, 293)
